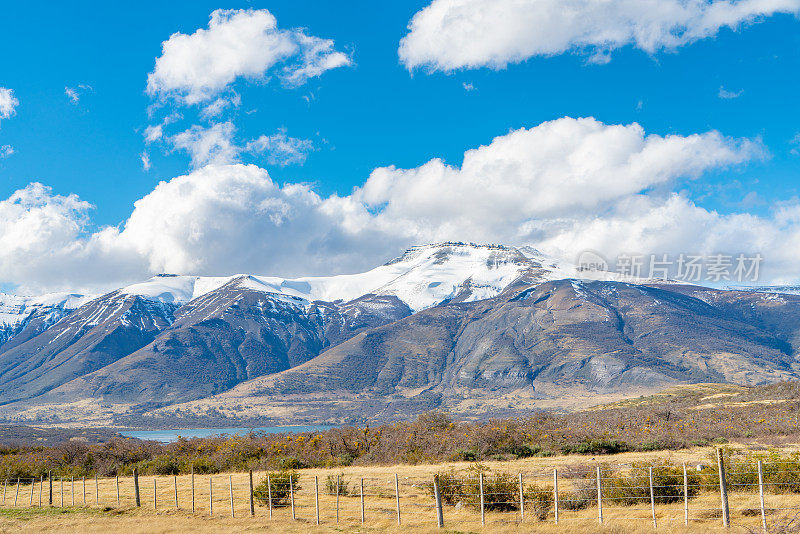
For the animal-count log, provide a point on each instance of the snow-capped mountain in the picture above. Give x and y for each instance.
(440, 320)
(33, 315)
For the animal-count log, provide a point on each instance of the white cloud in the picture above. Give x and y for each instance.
(153, 133)
(72, 94)
(454, 34)
(729, 95)
(8, 103)
(5, 151)
(281, 149)
(214, 144)
(237, 44)
(562, 186)
(145, 158)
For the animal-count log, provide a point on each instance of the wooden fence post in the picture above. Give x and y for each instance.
(723, 490)
(269, 495)
(50, 483)
(136, 488)
(555, 493)
(685, 497)
(210, 496)
(41, 489)
(192, 488)
(291, 495)
(96, 489)
(116, 477)
(61, 481)
(652, 499)
(175, 480)
(33, 486)
(599, 497)
(362, 500)
(155, 495)
(17, 493)
(761, 494)
(438, 497)
(397, 496)
(84, 489)
(230, 487)
(252, 505)
(72, 489)
(316, 496)
(521, 499)
(337, 499)
(480, 485)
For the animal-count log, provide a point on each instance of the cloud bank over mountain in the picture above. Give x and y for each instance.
(563, 186)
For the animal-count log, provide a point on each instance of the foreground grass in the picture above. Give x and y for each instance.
(417, 512)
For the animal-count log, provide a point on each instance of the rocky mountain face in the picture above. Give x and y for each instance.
(477, 330)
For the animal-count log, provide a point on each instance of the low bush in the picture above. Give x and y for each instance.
(277, 487)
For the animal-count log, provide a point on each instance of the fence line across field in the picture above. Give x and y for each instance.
(353, 498)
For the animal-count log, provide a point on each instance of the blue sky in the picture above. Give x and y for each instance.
(375, 112)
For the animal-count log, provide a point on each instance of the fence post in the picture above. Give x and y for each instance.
(4, 491)
(269, 495)
(230, 487)
(555, 493)
(438, 497)
(175, 480)
(72, 489)
(397, 495)
(192, 488)
(61, 481)
(96, 489)
(17, 493)
(337, 498)
(291, 495)
(117, 483)
(480, 488)
(210, 496)
(41, 489)
(652, 499)
(599, 497)
(723, 490)
(155, 495)
(33, 486)
(362, 500)
(521, 499)
(316, 496)
(761, 494)
(136, 487)
(252, 505)
(84, 490)
(50, 483)
(685, 497)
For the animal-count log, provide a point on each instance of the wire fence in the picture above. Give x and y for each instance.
(661, 494)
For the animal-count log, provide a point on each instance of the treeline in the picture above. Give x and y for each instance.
(671, 423)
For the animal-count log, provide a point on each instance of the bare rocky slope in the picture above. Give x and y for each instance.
(477, 330)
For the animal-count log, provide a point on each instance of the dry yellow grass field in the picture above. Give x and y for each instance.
(417, 509)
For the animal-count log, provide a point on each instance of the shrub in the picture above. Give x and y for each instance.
(330, 485)
(277, 487)
(539, 499)
(500, 490)
(597, 446)
(633, 487)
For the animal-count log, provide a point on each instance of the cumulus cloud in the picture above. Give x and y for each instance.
(8, 103)
(454, 34)
(248, 44)
(281, 149)
(562, 186)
